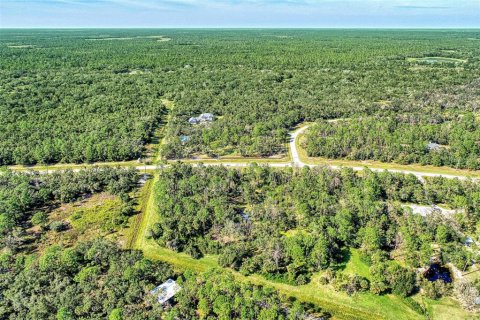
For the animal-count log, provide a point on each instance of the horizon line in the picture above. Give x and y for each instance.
(248, 27)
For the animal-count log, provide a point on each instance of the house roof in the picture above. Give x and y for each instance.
(201, 118)
(166, 290)
(434, 146)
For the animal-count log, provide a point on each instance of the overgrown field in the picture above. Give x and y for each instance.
(66, 98)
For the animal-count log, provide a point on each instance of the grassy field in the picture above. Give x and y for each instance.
(101, 213)
(96, 216)
(235, 159)
(240, 159)
(355, 266)
(169, 104)
(359, 306)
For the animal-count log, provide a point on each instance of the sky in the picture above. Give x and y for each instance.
(241, 13)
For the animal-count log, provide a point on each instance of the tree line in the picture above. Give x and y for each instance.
(405, 139)
(98, 280)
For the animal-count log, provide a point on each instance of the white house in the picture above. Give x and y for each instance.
(204, 117)
(166, 290)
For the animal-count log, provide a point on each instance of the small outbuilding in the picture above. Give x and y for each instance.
(193, 120)
(184, 139)
(206, 117)
(477, 300)
(469, 241)
(432, 146)
(166, 291)
(245, 216)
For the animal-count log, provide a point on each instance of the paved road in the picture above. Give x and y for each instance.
(295, 162)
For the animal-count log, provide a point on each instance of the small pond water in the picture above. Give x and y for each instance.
(437, 272)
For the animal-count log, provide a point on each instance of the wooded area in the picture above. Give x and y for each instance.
(30, 196)
(66, 98)
(287, 225)
(84, 96)
(407, 139)
(96, 279)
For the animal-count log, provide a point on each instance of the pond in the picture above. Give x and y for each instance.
(437, 272)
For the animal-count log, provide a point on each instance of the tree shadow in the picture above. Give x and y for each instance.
(344, 256)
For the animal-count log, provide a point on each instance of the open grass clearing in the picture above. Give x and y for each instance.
(444, 309)
(96, 216)
(234, 159)
(355, 265)
(161, 133)
(100, 211)
(137, 72)
(110, 39)
(21, 46)
(157, 38)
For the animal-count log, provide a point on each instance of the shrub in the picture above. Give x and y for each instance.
(435, 289)
(193, 251)
(58, 226)
(350, 283)
(39, 218)
(401, 280)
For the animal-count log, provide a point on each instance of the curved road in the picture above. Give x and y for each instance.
(296, 161)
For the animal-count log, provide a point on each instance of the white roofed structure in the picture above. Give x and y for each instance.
(165, 291)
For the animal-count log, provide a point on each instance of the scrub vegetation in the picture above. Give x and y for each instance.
(54, 263)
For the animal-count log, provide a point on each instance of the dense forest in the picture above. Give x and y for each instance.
(84, 96)
(98, 95)
(287, 225)
(97, 280)
(406, 139)
(94, 280)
